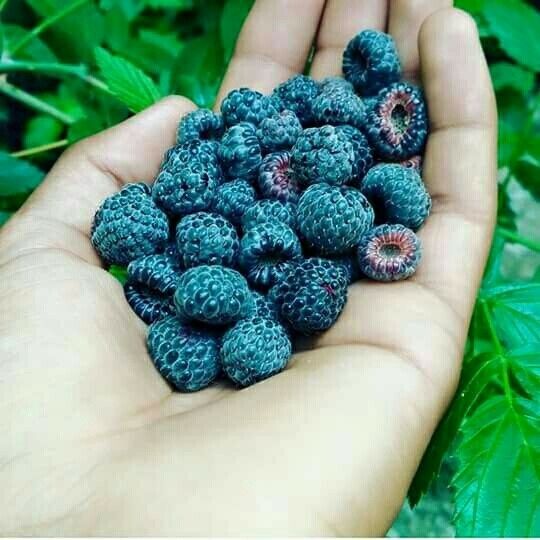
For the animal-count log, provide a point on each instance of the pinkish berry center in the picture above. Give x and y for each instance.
(328, 288)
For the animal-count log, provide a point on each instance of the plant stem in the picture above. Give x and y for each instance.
(45, 24)
(54, 69)
(39, 149)
(518, 239)
(34, 102)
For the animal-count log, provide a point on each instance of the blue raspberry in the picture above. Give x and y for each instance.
(268, 210)
(147, 304)
(312, 296)
(204, 152)
(206, 238)
(233, 199)
(338, 107)
(322, 155)
(389, 253)
(276, 180)
(264, 306)
(246, 105)
(332, 219)
(255, 349)
(129, 225)
(240, 151)
(200, 124)
(279, 132)
(297, 94)
(398, 195)
(213, 294)
(331, 84)
(363, 156)
(189, 189)
(265, 250)
(371, 62)
(187, 357)
(151, 282)
(398, 123)
(350, 264)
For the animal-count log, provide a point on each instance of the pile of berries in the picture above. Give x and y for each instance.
(261, 216)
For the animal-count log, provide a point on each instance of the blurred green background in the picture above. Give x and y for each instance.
(71, 68)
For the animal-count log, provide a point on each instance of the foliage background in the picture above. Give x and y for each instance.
(71, 68)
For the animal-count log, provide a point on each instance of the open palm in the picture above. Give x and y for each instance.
(94, 441)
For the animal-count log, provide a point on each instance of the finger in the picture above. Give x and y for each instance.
(460, 161)
(59, 213)
(404, 21)
(343, 19)
(273, 45)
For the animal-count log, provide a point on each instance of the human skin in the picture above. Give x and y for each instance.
(95, 443)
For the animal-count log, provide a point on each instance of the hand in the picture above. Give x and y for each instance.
(95, 443)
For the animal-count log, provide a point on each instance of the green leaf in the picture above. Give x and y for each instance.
(41, 129)
(119, 272)
(232, 19)
(476, 375)
(127, 82)
(506, 75)
(498, 484)
(516, 311)
(517, 26)
(179, 5)
(75, 36)
(527, 172)
(472, 6)
(36, 49)
(525, 366)
(17, 176)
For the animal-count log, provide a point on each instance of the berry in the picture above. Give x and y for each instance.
(389, 253)
(398, 195)
(188, 189)
(206, 238)
(246, 105)
(276, 180)
(297, 95)
(371, 62)
(332, 219)
(265, 250)
(267, 210)
(350, 264)
(233, 199)
(331, 84)
(398, 123)
(240, 151)
(322, 155)
(147, 304)
(200, 124)
(255, 349)
(339, 106)
(312, 296)
(203, 151)
(159, 273)
(129, 225)
(186, 356)
(213, 294)
(151, 282)
(264, 307)
(279, 132)
(363, 157)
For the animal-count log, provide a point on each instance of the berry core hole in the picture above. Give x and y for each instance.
(390, 250)
(400, 117)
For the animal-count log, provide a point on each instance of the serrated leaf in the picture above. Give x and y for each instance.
(477, 374)
(17, 176)
(232, 19)
(507, 75)
(525, 366)
(126, 81)
(498, 485)
(516, 312)
(517, 26)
